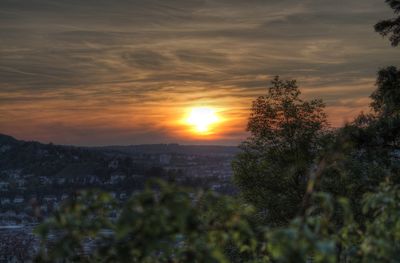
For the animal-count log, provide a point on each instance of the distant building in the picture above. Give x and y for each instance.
(21, 182)
(61, 180)
(18, 200)
(117, 178)
(113, 164)
(44, 180)
(49, 199)
(165, 159)
(4, 201)
(4, 185)
(4, 148)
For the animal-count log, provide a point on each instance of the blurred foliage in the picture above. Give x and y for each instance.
(161, 224)
(381, 241)
(170, 224)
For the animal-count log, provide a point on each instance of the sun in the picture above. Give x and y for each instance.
(202, 119)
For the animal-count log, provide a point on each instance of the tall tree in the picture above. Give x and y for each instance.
(271, 171)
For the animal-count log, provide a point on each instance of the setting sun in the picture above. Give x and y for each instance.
(201, 119)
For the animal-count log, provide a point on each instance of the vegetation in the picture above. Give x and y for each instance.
(307, 194)
(158, 225)
(391, 27)
(284, 130)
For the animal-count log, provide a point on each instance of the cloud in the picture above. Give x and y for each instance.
(124, 67)
(147, 59)
(202, 57)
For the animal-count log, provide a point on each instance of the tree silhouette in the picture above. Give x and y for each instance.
(272, 170)
(391, 27)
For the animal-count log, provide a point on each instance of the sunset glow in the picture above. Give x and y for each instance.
(139, 72)
(202, 120)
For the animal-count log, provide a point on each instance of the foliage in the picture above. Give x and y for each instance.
(387, 95)
(372, 142)
(163, 224)
(306, 238)
(167, 225)
(284, 130)
(318, 238)
(391, 26)
(381, 242)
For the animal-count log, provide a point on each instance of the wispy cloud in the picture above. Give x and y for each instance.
(98, 72)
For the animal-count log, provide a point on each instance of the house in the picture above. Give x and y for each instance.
(61, 180)
(4, 185)
(5, 201)
(165, 159)
(18, 199)
(113, 164)
(114, 179)
(44, 180)
(49, 199)
(43, 208)
(21, 182)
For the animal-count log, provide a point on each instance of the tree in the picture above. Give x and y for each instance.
(271, 171)
(161, 224)
(386, 107)
(386, 98)
(167, 225)
(367, 146)
(381, 239)
(391, 27)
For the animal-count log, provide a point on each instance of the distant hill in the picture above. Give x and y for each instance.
(7, 141)
(39, 158)
(48, 159)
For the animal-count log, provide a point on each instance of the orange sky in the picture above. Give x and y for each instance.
(78, 119)
(127, 72)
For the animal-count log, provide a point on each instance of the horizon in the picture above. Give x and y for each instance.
(118, 73)
(119, 145)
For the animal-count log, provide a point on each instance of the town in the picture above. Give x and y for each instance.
(36, 178)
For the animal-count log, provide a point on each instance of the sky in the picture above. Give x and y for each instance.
(100, 72)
